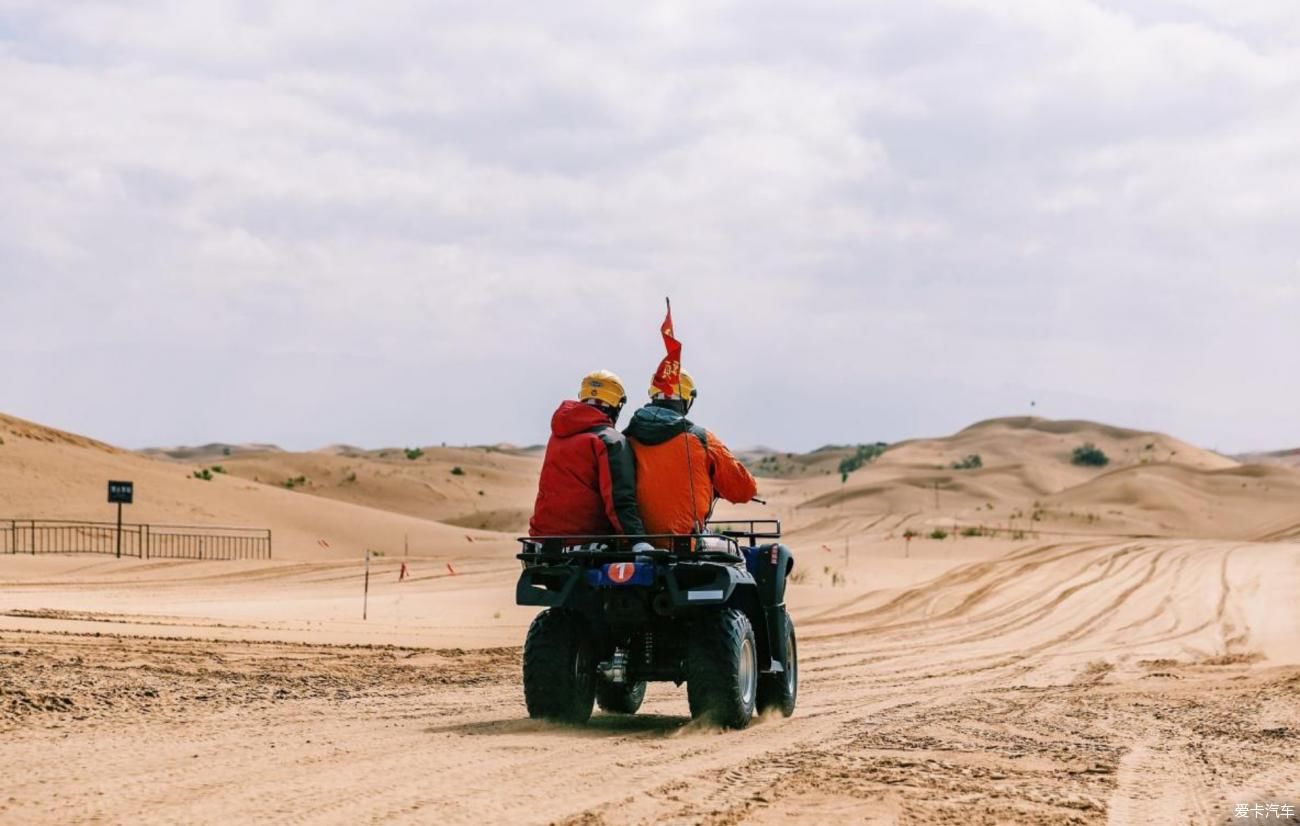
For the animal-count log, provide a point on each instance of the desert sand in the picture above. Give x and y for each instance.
(1029, 641)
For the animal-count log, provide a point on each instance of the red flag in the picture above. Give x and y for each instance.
(403, 574)
(668, 377)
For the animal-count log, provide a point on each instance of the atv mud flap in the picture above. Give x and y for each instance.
(547, 585)
(779, 644)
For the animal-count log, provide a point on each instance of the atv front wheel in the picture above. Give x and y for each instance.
(620, 698)
(559, 670)
(722, 669)
(779, 691)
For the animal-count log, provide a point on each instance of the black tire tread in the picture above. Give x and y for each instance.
(620, 699)
(774, 691)
(551, 691)
(712, 668)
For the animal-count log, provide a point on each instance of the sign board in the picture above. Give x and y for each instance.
(121, 493)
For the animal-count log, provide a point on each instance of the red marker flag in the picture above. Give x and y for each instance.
(403, 574)
(668, 377)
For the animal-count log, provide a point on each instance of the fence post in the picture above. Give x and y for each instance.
(144, 541)
(13, 536)
(268, 543)
(33, 536)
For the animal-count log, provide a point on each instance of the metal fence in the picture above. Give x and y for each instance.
(58, 536)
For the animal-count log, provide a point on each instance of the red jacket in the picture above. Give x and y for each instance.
(588, 481)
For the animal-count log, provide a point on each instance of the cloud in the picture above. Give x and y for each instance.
(458, 208)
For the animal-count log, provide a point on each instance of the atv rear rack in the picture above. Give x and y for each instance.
(618, 548)
(734, 529)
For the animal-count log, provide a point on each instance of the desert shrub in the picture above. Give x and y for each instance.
(910, 534)
(861, 456)
(225, 451)
(413, 453)
(204, 474)
(295, 482)
(481, 493)
(1089, 455)
(351, 477)
(799, 576)
(971, 462)
(938, 533)
(218, 469)
(458, 471)
(971, 531)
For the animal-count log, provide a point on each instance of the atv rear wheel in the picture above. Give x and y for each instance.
(779, 691)
(559, 669)
(620, 698)
(722, 669)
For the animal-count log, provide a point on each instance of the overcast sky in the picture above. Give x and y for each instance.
(406, 223)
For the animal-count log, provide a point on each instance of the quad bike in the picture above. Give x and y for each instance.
(703, 609)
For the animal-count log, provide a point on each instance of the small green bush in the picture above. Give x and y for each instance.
(1089, 455)
(414, 453)
(970, 531)
(225, 451)
(218, 469)
(295, 482)
(861, 456)
(971, 462)
(458, 471)
(938, 533)
(205, 475)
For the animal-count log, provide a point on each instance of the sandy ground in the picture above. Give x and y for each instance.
(1052, 683)
(1125, 650)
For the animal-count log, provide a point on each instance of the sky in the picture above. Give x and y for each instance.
(403, 223)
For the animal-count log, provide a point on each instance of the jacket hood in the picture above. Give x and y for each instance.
(574, 417)
(654, 425)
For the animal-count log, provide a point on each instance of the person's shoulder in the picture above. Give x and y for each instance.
(608, 434)
(699, 432)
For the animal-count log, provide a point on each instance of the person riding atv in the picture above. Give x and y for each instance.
(682, 469)
(588, 479)
(692, 605)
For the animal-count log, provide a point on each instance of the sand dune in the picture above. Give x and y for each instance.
(1245, 502)
(481, 488)
(47, 474)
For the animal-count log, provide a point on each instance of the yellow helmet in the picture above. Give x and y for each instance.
(684, 382)
(604, 387)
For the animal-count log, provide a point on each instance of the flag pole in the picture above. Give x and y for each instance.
(690, 472)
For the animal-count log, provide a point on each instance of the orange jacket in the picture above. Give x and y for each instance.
(660, 438)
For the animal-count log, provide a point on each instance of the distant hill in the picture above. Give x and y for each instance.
(1285, 458)
(210, 451)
